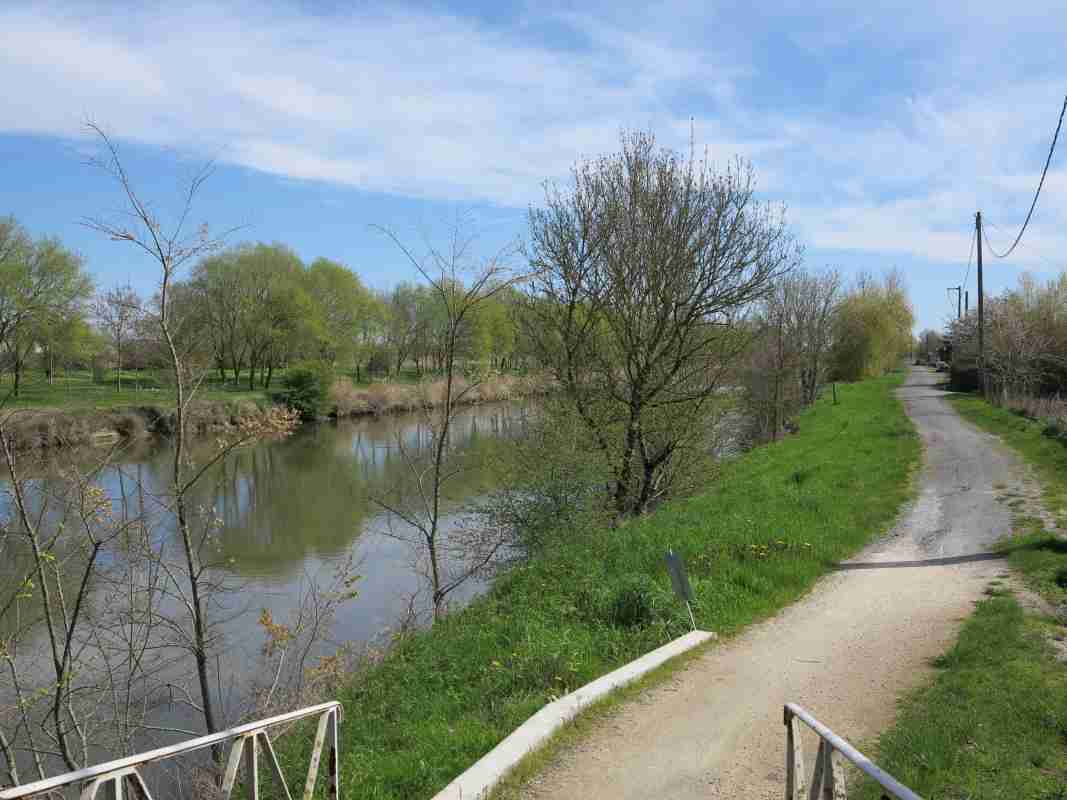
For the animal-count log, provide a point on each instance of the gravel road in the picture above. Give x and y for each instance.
(863, 637)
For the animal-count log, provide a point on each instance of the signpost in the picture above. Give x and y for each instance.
(680, 582)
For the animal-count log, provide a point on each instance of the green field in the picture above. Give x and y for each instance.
(994, 722)
(76, 389)
(754, 541)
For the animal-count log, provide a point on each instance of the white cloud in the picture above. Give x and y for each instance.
(432, 105)
(410, 103)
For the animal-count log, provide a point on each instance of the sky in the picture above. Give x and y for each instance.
(882, 127)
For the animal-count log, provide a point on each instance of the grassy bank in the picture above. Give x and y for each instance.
(756, 540)
(994, 722)
(80, 412)
(1041, 446)
(78, 390)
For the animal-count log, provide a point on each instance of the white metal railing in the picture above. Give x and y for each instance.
(124, 773)
(827, 780)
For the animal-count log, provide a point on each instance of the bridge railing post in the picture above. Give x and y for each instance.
(828, 777)
(121, 779)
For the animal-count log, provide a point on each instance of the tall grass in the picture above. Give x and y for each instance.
(349, 400)
(594, 599)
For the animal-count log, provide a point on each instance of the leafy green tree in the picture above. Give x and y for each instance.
(872, 328)
(280, 314)
(306, 387)
(42, 284)
(71, 342)
(371, 339)
(402, 322)
(220, 296)
(341, 303)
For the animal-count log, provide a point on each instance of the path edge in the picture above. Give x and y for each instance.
(478, 781)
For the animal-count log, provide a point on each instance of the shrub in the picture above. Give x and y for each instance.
(379, 363)
(130, 424)
(305, 389)
(628, 601)
(346, 399)
(633, 602)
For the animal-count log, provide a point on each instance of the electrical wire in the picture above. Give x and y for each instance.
(974, 235)
(1037, 194)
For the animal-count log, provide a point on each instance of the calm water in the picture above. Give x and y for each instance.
(292, 510)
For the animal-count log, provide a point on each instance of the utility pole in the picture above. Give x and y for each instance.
(981, 306)
(966, 302)
(959, 300)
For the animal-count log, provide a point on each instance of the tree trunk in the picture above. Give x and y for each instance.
(624, 475)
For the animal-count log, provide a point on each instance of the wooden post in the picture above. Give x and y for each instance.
(981, 307)
(835, 392)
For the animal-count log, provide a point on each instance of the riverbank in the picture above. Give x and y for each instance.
(775, 520)
(994, 721)
(45, 428)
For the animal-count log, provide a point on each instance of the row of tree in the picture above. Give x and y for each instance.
(245, 310)
(811, 328)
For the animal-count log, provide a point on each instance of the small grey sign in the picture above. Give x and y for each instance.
(679, 580)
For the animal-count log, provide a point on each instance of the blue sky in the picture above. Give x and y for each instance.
(882, 128)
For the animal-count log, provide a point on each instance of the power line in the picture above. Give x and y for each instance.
(1037, 194)
(1053, 267)
(969, 257)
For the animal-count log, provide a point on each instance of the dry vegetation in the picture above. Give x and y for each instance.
(349, 400)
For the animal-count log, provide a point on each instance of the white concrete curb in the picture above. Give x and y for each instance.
(479, 780)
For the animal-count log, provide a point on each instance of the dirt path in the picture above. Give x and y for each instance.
(863, 637)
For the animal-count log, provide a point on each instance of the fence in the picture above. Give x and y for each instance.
(124, 773)
(828, 781)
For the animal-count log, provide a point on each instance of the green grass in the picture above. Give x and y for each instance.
(76, 389)
(1047, 455)
(754, 541)
(994, 722)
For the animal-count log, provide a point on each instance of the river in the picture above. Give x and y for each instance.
(290, 510)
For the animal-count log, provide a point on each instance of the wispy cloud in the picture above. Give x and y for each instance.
(880, 127)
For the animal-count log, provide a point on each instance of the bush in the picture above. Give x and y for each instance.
(346, 399)
(633, 602)
(305, 389)
(379, 363)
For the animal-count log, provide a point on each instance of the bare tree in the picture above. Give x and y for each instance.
(170, 249)
(790, 359)
(645, 265)
(421, 510)
(118, 311)
(56, 547)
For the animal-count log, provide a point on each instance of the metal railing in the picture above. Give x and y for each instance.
(828, 780)
(124, 773)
